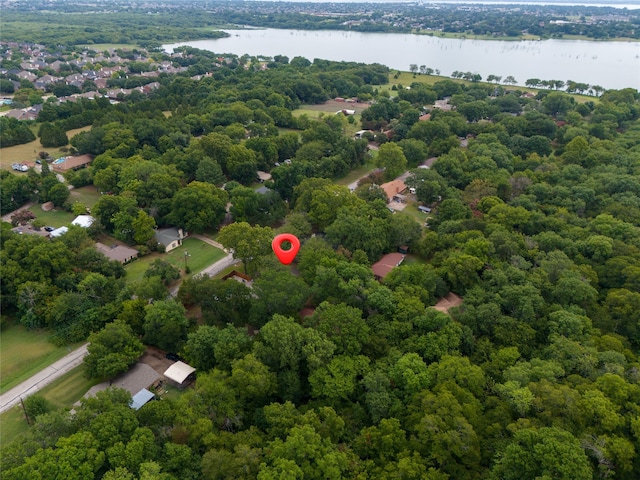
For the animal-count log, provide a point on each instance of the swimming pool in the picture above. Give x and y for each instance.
(59, 161)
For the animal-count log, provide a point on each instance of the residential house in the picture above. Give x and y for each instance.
(119, 253)
(393, 190)
(24, 75)
(387, 263)
(170, 238)
(64, 164)
(56, 66)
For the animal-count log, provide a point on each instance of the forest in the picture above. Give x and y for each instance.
(150, 25)
(535, 224)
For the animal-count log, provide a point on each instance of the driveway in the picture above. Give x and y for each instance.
(42, 378)
(211, 270)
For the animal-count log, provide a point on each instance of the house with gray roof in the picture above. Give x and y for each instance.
(170, 238)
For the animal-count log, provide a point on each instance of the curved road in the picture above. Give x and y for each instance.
(42, 378)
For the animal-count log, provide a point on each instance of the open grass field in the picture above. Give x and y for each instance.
(28, 152)
(23, 353)
(407, 78)
(201, 255)
(89, 195)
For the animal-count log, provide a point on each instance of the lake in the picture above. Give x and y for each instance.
(608, 64)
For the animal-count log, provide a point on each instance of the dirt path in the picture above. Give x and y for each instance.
(42, 378)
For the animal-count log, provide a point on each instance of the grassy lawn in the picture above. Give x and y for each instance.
(55, 218)
(201, 255)
(23, 353)
(12, 425)
(88, 195)
(357, 173)
(62, 393)
(412, 211)
(230, 269)
(69, 388)
(29, 151)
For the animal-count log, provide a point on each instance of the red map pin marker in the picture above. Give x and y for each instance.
(285, 256)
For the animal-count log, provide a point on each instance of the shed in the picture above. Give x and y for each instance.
(58, 231)
(263, 176)
(141, 398)
(84, 221)
(179, 373)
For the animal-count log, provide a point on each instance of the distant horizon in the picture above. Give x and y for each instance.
(583, 3)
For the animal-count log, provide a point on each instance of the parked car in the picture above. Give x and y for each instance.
(174, 357)
(49, 229)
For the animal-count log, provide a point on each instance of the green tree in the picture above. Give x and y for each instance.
(277, 291)
(198, 207)
(343, 325)
(543, 453)
(112, 350)
(163, 269)
(210, 347)
(392, 159)
(247, 243)
(52, 135)
(166, 325)
(58, 194)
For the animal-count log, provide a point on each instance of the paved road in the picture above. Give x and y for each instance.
(42, 378)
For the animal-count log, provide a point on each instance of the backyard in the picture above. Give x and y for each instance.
(195, 253)
(28, 152)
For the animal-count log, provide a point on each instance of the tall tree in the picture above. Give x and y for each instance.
(112, 350)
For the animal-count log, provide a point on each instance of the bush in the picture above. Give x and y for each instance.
(35, 405)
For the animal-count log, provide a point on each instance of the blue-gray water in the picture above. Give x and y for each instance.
(607, 64)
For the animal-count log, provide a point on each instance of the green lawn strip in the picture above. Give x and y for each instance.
(12, 424)
(69, 388)
(356, 173)
(24, 353)
(227, 270)
(200, 256)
